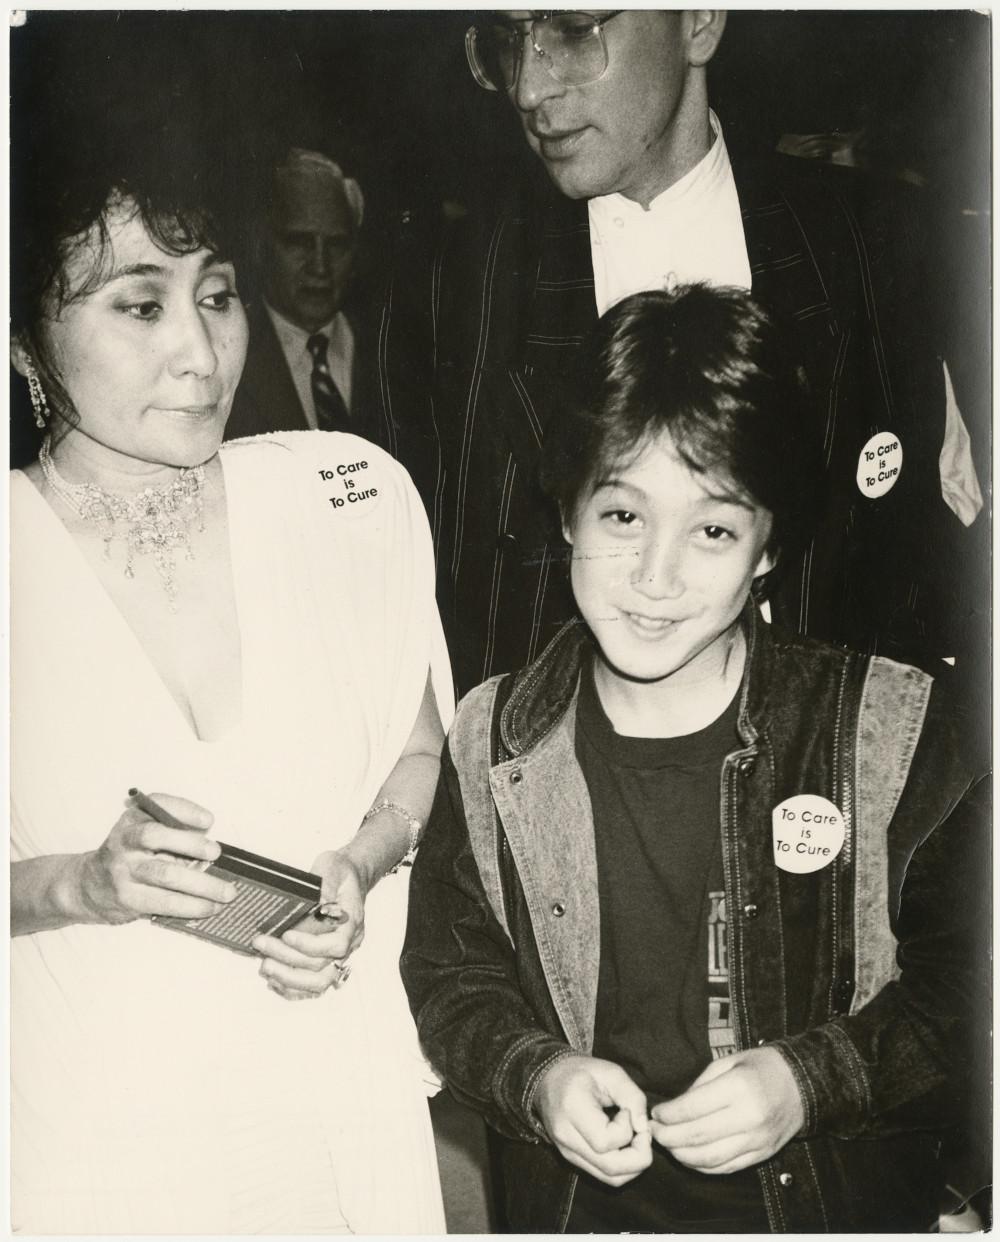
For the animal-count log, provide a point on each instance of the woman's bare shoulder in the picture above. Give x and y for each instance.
(32, 472)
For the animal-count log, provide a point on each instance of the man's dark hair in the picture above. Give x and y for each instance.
(708, 367)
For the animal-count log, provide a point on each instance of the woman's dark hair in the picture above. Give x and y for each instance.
(709, 368)
(190, 187)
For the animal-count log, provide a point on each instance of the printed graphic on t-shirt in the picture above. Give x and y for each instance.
(721, 1039)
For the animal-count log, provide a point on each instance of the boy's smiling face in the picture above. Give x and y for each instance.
(663, 561)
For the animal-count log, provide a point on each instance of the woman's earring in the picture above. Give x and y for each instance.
(38, 402)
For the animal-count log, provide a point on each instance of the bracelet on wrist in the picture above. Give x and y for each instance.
(412, 823)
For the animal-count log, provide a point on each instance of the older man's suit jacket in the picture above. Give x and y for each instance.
(473, 347)
(267, 399)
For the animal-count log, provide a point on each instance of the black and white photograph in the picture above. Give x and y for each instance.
(500, 615)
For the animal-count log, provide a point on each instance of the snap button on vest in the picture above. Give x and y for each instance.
(746, 764)
(844, 993)
(515, 777)
(786, 1179)
(750, 910)
(506, 542)
(558, 909)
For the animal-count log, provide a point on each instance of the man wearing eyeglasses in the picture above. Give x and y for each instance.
(642, 121)
(641, 192)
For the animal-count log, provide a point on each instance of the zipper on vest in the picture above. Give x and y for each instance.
(845, 890)
(729, 787)
(847, 743)
(503, 859)
(733, 764)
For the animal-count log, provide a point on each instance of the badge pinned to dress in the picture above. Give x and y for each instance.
(352, 487)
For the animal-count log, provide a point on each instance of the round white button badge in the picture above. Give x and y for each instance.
(808, 833)
(880, 464)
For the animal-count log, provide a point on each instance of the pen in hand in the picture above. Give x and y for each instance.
(329, 912)
(162, 816)
(195, 851)
(155, 811)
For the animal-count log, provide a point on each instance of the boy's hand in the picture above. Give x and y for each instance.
(738, 1112)
(571, 1101)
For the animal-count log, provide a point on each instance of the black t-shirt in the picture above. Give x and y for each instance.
(662, 997)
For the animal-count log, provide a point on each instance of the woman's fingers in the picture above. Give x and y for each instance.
(145, 868)
(189, 813)
(312, 957)
(157, 838)
(158, 871)
(289, 993)
(145, 900)
(322, 943)
(294, 979)
(280, 950)
(292, 994)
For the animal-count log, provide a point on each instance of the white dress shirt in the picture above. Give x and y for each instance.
(692, 231)
(340, 356)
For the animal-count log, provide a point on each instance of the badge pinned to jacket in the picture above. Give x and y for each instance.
(880, 465)
(808, 833)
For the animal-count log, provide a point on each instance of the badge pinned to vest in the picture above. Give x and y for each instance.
(808, 833)
(351, 487)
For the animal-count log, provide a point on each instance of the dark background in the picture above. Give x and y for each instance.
(388, 93)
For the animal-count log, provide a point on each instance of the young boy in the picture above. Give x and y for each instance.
(697, 923)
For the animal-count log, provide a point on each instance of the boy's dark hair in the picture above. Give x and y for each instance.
(708, 367)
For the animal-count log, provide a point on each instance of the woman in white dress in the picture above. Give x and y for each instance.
(250, 636)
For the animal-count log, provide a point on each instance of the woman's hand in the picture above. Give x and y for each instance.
(312, 956)
(142, 868)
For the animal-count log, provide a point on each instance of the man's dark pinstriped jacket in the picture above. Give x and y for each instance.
(474, 339)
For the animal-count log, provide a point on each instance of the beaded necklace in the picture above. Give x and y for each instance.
(156, 520)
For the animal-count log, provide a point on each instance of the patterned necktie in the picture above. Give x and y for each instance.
(331, 412)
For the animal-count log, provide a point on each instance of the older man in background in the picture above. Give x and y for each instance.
(304, 353)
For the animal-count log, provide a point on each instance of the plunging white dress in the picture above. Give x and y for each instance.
(158, 1086)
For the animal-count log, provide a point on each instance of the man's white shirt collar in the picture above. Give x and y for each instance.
(692, 231)
(340, 356)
